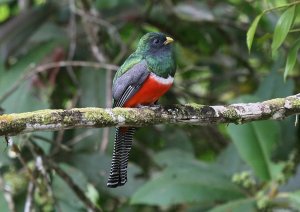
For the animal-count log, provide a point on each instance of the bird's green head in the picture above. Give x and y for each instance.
(154, 43)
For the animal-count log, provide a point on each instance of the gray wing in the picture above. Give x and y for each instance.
(129, 83)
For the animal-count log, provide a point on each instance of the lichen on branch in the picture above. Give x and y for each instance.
(194, 114)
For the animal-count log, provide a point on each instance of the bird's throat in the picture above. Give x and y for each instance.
(162, 64)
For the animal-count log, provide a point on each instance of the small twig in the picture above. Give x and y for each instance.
(93, 44)
(49, 141)
(91, 32)
(148, 154)
(29, 197)
(23, 5)
(9, 141)
(73, 44)
(294, 30)
(77, 190)
(58, 142)
(96, 65)
(105, 139)
(75, 99)
(79, 138)
(111, 29)
(47, 66)
(22, 160)
(40, 167)
(35, 136)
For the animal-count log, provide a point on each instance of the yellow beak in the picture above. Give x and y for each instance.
(168, 40)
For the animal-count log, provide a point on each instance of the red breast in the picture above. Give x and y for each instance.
(151, 90)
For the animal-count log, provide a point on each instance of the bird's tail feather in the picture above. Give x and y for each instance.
(122, 146)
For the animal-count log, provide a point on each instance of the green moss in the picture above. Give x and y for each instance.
(45, 119)
(295, 103)
(126, 114)
(68, 120)
(100, 117)
(106, 116)
(118, 110)
(275, 102)
(195, 106)
(12, 127)
(138, 117)
(147, 117)
(90, 116)
(232, 115)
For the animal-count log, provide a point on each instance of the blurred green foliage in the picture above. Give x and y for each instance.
(247, 167)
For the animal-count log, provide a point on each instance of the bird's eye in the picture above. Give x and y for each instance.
(156, 41)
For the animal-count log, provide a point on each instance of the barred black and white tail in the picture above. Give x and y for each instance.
(122, 146)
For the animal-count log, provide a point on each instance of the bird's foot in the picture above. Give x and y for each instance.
(155, 105)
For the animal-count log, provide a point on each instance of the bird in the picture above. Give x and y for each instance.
(146, 75)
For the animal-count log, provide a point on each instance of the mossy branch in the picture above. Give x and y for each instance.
(194, 114)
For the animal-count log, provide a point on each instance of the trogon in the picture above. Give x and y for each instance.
(144, 77)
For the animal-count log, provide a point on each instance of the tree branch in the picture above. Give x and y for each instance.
(280, 108)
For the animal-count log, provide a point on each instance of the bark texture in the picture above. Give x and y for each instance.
(280, 108)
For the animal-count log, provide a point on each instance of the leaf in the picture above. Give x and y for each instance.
(291, 58)
(175, 137)
(176, 158)
(4, 12)
(252, 30)
(92, 194)
(273, 86)
(186, 185)
(93, 83)
(48, 31)
(255, 142)
(4, 159)
(187, 182)
(172, 157)
(98, 163)
(282, 28)
(97, 172)
(236, 206)
(230, 160)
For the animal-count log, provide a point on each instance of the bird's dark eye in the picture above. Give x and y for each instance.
(156, 41)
